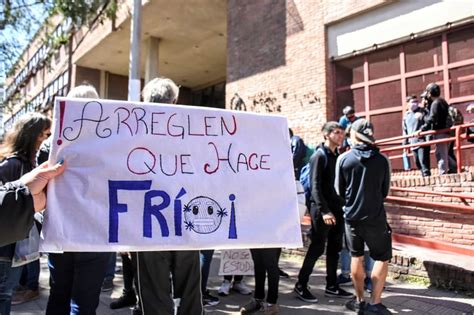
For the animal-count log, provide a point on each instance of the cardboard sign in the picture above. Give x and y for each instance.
(144, 177)
(236, 262)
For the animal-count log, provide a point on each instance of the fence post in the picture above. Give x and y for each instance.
(458, 149)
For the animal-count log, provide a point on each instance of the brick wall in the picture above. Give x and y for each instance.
(277, 58)
(451, 226)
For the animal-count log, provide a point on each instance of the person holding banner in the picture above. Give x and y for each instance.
(18, 157)
(76, 277)
(327, 222)
(155, 268)
(20, 199)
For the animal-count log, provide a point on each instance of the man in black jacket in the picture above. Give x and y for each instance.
(437, 120)
(326, 214)
(363, 180)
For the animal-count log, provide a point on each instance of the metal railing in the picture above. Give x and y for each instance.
(460, 134)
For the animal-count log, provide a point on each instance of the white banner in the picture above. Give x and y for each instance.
(145, 177)
(236, 262)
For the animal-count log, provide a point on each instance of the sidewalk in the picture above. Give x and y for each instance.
(400, 298)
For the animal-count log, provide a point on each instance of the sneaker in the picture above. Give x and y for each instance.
(269, 309)
(208, 299)
(107, 285)
(368, 284)
(343, 280)
(303, 293)
(253, 306)
(224, 289)
(241, 287)
(356, 306)
(26, 296)
(337, 292)
(378, 309)
(126, 299)
(283, 274)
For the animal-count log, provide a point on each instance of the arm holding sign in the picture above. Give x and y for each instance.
(19, 200)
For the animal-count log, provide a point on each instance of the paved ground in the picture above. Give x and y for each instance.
(401, 298)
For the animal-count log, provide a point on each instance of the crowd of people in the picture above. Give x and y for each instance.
(348, 180)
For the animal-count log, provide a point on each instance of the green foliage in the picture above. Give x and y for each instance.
(80, 12)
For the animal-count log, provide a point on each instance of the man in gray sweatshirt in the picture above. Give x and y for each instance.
(413, 121)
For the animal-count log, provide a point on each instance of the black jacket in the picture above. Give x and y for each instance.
(11, 169)
(298, 149)
(324, 198)
(439, 112)
(363, 180)
(16, 212)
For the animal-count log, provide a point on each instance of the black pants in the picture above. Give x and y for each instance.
(75, 280)
(322, 234)
(129, 270)
(265, 262)
(156, 286)
(422, 160)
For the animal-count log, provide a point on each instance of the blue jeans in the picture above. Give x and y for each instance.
(346, 262)
(30, 275)
(9, 278)
(110, 272)
(75, 280)
(206, 258)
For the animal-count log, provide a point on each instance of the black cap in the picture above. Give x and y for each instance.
(364, 130)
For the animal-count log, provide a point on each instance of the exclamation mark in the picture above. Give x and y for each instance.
(232, 225)
(62, 108)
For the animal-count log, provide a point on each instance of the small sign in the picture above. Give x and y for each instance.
(236, 262)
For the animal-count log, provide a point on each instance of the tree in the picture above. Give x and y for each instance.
(24, 16)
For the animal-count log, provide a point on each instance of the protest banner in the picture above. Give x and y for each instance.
(144, 177)
(236, 262)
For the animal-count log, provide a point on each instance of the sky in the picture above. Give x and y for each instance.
(32, 13)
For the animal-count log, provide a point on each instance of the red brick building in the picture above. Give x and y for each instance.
(302, 59)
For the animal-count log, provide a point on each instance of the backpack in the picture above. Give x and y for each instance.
(455, 117)
(305, 176)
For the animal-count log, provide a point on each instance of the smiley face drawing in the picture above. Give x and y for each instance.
(203, 215)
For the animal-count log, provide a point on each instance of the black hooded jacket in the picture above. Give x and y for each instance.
(324, 198)
(363, 180)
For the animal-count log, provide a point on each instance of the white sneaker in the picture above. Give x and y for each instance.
(224, 289)
(242, 288)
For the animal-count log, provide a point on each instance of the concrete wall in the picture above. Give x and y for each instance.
(397, 20)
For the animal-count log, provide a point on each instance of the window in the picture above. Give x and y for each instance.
(460, 44)
(355, 98)
(462, 81)
(387, 86)
(423, 54)
(350, 71)
(384, 63)
(416, 85)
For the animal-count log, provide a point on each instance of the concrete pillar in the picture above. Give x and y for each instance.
(152, 58)
(104, 84)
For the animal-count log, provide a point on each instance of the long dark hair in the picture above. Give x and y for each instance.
(21, 139)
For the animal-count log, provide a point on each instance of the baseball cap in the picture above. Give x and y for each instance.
(364, 130)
